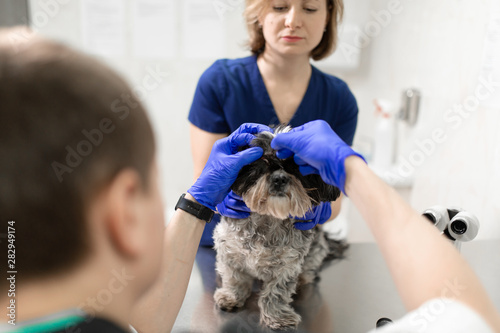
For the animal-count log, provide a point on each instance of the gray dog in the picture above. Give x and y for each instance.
(266, 246)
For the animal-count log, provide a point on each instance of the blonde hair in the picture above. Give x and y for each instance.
(328, 43)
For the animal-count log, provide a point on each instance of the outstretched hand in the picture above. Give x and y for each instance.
(317, 149)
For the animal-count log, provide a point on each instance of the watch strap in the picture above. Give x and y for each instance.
(197, 210)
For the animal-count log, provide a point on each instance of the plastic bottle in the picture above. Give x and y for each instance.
(385, 136)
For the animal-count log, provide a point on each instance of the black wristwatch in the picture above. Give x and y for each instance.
(195, 209)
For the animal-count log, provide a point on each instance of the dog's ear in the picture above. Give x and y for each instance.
(322, 191)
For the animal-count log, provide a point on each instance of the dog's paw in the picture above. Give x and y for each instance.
(226, 300)
(283, 320)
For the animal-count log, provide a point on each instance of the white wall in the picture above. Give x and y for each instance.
(435, 46)
(169, 103)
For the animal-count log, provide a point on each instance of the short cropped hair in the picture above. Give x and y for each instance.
(328, 44)
(65, 134)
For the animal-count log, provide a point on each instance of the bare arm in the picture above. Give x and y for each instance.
(336, 206)
(201, 145)
(155, 313)
(422, 263)
(157, 310)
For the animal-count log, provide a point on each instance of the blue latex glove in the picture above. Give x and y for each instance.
(317, 215)
(234, 207)
(224, 164)
(318, 149)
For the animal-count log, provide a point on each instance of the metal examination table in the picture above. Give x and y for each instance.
(350, 297)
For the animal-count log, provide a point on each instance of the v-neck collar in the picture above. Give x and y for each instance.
(265, 99)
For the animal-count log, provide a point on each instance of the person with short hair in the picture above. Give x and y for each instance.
(275, 85)
(79, 192)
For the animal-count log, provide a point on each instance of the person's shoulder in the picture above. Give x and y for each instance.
(336, 92)
(336, 89)
(213, 76)
(236, 63)
(223, 68)
(331, 80)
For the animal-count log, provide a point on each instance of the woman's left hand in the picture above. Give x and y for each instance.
(317, 215)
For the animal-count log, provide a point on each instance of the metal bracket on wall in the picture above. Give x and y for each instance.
(410, 106)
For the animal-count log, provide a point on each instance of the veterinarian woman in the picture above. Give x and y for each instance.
(420, 275)
(276, 84)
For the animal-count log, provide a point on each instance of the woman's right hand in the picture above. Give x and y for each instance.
(234, 207)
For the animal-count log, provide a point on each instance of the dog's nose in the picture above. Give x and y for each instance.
(279, 181)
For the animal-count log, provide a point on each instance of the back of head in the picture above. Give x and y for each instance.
(65, 133)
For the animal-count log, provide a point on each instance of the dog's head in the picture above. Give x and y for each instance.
(273, 186)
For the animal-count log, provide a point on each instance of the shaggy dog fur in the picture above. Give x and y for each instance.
(266, 246)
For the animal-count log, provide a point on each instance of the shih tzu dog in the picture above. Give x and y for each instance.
(266, 246)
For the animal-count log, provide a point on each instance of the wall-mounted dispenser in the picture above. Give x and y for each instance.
(410, 106)
(394, 133)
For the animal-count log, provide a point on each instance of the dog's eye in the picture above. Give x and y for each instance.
(289, 164)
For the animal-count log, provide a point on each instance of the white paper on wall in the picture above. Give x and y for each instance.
(103, 27)
(154, 28)
(204, 34)
(490, 69)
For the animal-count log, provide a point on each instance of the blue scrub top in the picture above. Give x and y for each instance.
(232, 92)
